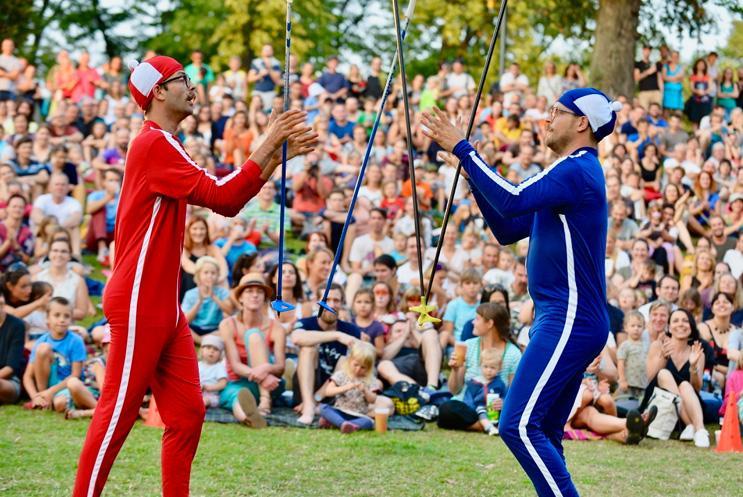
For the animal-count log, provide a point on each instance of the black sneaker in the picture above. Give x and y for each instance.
(635, 427)
(652, 412)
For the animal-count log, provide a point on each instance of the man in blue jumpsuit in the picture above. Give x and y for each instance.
(563, 211)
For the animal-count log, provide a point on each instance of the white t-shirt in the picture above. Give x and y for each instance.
(507, 79)
(462, 83)
(63, 211)
(447, 174)
(9, 64)
(500, 277)
(734, 259)
(375, 197)
(210, 374)
(364, 249)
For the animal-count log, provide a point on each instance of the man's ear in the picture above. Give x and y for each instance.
(158, 93)
(583, 124)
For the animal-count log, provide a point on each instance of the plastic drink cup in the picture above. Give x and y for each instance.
(460, 353)
(380, 419)
(493, 413)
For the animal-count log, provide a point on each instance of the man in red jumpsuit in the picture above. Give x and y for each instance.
(151, 345)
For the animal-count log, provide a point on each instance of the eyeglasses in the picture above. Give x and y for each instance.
(183, 76)
(381, 292)
(554, 110)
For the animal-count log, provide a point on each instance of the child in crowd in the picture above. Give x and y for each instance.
(353, 387)
(36, 320)
(362, 309)
(398, 253)
(94, 373)
(462, 309)
(208, 303)
(212, 371)
(392, 202)
(234, 244)
(632, 357)
(487, 384)
(53, 373)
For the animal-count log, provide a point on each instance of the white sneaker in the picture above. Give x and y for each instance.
(701, 439)
(688, 434)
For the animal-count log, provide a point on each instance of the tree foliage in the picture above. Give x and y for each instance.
(77, 22)
(221, 28)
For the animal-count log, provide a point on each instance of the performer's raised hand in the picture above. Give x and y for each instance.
(437, 127)
(284, 126)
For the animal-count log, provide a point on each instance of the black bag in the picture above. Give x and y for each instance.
(406, 397)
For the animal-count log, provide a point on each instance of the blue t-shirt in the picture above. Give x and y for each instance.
(330, 352)
(374, 330)
(66, 351)
(210, 314)
(459, 312)
(236, 250)
(265, 83)
(332, 82)
(111, 208)
(341, 131)
(32, 169)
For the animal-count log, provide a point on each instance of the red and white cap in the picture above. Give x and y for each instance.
(146, 75)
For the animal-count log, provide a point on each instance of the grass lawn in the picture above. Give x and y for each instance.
(40, 453)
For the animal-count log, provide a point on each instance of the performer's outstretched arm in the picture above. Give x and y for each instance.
(558, 185)
(506, 230)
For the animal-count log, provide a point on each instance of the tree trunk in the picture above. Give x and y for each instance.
(613, 55)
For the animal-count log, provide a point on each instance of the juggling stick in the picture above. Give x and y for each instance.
(279, 305)
(390, 75)
(473, 114)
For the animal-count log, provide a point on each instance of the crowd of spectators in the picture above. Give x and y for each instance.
(674, 185)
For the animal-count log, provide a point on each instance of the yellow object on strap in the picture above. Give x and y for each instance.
(424, 312)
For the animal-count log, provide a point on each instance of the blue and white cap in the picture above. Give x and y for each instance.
(596, 106)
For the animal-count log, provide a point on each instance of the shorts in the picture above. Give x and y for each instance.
(412, 365)
(228, 396)
(16, 384)
(202, 331)
(7, 95)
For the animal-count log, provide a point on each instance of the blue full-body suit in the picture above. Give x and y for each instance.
(563, 211)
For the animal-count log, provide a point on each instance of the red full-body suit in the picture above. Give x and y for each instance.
(151, 345)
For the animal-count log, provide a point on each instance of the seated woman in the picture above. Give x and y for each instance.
(587, 421)
(717, 331)
(318, 263)
(492, 331)
(727, 283)
(66, 282)
(292, 294)
(198, 243)
(315, 240)
(676, 363)
(15, 284)
(255, 352)
(206, 304)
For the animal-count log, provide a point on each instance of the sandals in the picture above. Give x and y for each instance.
(247, 403)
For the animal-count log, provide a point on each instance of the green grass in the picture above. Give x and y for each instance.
(40, 453)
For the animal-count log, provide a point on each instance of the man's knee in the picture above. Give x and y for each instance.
(308, 353)
(508, 427)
